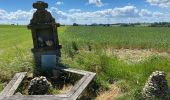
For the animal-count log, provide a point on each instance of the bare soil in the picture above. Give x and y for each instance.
(65, 89)
(111, 94)
(135, 55)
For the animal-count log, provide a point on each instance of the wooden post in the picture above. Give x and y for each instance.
(10, 89)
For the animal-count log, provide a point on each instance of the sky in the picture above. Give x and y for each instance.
(88, 11)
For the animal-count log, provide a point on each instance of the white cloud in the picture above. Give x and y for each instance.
(100, 16)
(59, 3)
(3, 14)
(159, 14)
(149, 16)
(145, 12)
(125, 11)
(98, 3)
(126, 14)
(74, 10)
(160, 3)
(17, 16)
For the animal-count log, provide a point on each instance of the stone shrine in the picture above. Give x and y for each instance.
(45, 37)
(46, 53)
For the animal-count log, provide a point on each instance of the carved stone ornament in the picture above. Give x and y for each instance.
(41, 16)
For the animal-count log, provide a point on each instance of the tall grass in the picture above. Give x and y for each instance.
(85, 48)
(15, 52)
(130, 78)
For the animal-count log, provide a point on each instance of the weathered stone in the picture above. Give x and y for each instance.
(39, 86)
(45, 37)
(41, 16)
(156, 86)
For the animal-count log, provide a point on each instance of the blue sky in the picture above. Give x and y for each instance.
(88, 11)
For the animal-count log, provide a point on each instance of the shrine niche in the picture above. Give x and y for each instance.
(45, 37)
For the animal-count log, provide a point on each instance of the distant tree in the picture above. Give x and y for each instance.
(62, 25)
(127, 25)
(94, 24)
(75, 24)
(160, 24)
(108, 25)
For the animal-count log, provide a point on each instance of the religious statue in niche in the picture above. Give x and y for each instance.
(45, 43)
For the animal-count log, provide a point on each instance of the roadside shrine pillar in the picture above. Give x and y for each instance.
(46, 48)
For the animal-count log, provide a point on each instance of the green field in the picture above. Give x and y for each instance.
(120, 37)
(85, 47)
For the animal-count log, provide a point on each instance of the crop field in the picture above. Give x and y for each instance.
(98, 49)
(120, 37)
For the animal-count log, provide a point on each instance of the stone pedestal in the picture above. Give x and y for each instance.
(46, 60)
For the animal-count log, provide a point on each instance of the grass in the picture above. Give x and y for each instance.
(120, 37)
(15, 44)
(131, 78)
(85, 48)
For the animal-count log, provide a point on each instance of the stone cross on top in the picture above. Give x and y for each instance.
(45, 37)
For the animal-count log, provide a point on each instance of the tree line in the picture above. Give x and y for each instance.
(155, 24)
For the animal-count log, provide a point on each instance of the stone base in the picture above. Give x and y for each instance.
(46, 61)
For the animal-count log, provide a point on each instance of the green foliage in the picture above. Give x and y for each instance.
(71, 49)
(131, 78)
(54, 91)
(1, 86)
(85, 48)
